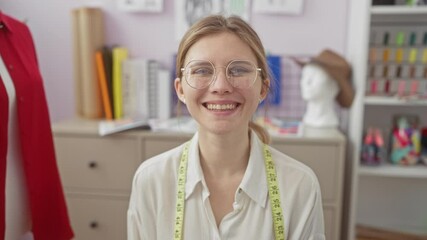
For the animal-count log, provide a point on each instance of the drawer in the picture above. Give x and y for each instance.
(156, 146)
(324, 160)
(97, 163)
(98, 218)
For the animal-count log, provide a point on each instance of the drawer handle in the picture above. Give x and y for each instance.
(93, 224)
(93, 164)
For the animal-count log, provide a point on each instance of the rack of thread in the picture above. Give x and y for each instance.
(397, 60)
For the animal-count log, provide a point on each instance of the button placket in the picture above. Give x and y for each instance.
(237, 205)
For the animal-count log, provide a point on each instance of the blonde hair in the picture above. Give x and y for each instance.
(216, 24)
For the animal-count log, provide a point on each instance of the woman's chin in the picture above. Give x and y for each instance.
(219, 127)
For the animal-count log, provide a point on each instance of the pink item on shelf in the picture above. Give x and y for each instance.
(378, 137)
(369, 136)
(401, 88)
(374, 86)
(414, 87)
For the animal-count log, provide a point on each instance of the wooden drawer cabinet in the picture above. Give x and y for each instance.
(323, 152)
(97, 217)
(326, 162)
(100, 163)
(97, 172)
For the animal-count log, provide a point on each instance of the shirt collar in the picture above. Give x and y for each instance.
(5, 22)
(254, 182)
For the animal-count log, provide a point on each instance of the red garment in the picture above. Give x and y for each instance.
(49, 215)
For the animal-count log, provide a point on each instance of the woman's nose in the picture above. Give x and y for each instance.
(221, 83)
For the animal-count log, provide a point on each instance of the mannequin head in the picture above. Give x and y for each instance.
(317, 85)
(338, 70)
(319, 90)
(325, 78)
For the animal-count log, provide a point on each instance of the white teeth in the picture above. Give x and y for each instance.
(221, 106)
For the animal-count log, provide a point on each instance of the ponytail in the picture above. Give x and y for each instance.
(260, 131)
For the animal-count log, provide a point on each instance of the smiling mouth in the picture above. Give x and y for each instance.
(221, 107)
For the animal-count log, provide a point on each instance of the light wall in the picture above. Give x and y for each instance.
(321, 25)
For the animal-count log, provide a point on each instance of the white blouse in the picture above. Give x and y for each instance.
(151, 213)
(18, 221)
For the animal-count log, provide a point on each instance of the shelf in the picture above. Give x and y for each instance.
(390, 10)
(386, 170)
(393, 101)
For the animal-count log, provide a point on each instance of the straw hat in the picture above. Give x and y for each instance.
(339, 70)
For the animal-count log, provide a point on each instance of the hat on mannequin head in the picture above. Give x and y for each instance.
(339, 70)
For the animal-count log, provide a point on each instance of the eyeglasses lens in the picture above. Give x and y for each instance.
(200, 74)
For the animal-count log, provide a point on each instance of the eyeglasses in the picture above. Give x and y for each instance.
(200, 74)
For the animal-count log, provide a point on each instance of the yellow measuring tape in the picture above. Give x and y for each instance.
(273, 190)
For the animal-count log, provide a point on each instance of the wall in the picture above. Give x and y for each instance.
(322, 25)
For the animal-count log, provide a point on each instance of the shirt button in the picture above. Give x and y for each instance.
(237, 206)
(240, 190)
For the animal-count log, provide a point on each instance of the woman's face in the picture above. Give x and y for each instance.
(220, 107)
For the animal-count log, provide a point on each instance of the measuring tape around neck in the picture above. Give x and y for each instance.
(273, 190)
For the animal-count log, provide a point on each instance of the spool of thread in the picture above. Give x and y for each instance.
(400, 38)
(424, 56)
(412, 71)
(386, 38)
(412, 55)
(385, 71)
(372, 71)
(399, 71)
(412, 39)
(372, 55)
(386, 54)
(414, 87)
(399, 55)
(387, 86)
(401, 88)
(374, 86)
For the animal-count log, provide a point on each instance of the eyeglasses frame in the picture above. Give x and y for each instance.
(257, 69)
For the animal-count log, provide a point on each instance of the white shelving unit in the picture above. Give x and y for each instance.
(417, 172)
(387, 10)
(394, 101)
(386, 196)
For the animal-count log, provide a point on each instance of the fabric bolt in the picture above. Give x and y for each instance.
(151, 213)
(49, 217)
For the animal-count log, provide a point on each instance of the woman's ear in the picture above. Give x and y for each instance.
(265, 88)
(179, 90)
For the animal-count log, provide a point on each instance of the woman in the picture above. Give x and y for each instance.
(225, 183)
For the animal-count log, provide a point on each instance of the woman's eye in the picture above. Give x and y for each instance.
(202, 71)
(237, 71)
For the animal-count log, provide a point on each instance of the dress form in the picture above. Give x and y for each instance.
(319, 90)
(18, 223)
